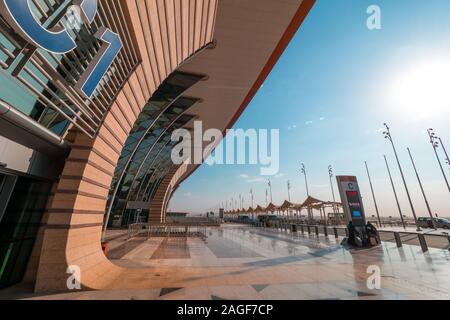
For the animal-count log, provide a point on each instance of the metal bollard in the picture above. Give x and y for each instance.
(309, 230)
(325, 231)
(336, 235)
(293, 228)
(317, 230)
(302, 229)
(423, 242)
(398, 240)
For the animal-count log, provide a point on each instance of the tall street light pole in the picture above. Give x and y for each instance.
(289, 195)
(303, 170)
(251, 196)
(387, 135)
(289, 190)
(330, 174)
(435, 145)
(395, 193)
(267, 194)
(269, 183)
(447, 159)
(421, 188)
(373, 194)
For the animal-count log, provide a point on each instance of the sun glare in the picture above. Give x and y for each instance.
(423, 90)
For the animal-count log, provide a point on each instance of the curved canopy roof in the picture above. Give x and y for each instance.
(271, 207)
(315, 203)
(288, 205)
(259, 209)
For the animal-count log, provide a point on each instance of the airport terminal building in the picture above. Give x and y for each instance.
(87, 114)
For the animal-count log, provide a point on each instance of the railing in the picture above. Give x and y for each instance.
(193, 220)
(424, 240)
(168, 230)
(328, 222)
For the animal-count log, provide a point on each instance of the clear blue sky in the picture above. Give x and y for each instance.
(329, 95)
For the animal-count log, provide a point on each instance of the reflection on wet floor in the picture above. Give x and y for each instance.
(225, 248)
(118, 252)
(172, 248)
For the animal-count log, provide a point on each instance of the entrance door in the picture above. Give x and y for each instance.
(22, 205)
(7, 183)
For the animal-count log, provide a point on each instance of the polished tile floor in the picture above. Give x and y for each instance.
(238, 262)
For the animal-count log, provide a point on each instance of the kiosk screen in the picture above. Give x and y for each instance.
(354, 203)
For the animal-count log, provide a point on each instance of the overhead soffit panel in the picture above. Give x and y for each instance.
(247, 33)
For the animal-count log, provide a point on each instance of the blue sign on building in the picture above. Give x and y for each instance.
(59, 41)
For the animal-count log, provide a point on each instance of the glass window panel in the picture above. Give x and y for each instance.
(150, 133)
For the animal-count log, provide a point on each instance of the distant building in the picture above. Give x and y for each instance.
(177, 214)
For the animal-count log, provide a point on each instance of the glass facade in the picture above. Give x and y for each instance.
(159, 167)
(20, 220)
(149, 144)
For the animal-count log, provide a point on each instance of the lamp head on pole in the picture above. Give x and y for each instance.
(433, 138)
(387, 132)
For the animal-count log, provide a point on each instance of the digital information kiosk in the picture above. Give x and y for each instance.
(351, 200)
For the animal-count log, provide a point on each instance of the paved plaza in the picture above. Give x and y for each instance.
(238, 262)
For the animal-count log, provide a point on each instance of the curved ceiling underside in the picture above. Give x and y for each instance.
(250, 37)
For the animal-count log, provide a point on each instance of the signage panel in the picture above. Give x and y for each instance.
(351, 200)
(57, 40)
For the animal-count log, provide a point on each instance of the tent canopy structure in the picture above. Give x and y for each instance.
(315, 203)
(271, 207)
(287, 205)
(309, 203)
(259, 209)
